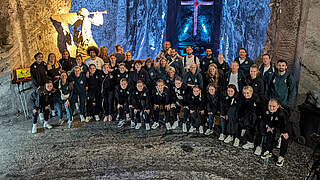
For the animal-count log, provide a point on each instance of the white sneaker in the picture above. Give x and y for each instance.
(82, 119)
(97, 117)
(47, 125)
(201, 129)
(208, 132)
(138, 126)
(236, 142)
(110, 118)
(248, 145)
(106, 119)
(53, 113)
(155, 125)
(168, 126)
(243, 132)
(147, 126)
(280, 161)
(228, 139)
(175, 125)
(184, 127)
(88, 118)
(121, 123)
(258, 151)
(132, 124)
(34, 129)
(266, 155)
(41, 116)
(192, 129)
(222, 137)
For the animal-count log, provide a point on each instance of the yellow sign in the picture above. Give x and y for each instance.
(23, 73)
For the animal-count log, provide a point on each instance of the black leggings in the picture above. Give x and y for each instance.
(156, 114)
(35, 115)
(108, 103)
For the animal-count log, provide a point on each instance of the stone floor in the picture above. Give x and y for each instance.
(99, 150)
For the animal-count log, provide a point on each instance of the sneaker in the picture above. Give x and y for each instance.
(82, 119)
(132, 124)
(258, 151)
(34, 129)
(175, 125)
(201, 129)
(208, 132)
(47, 125)
(88, 118)
(184, 127)
(236, 142)
(155, 125)
(41, 116)
(121, 123)
(110, 118)
(192, 129)
(53, 113)
(69, 124)
(168, 126)
(280, 161)
(105, 119)
(138, 126)
(248, 145)
(222, 137)
(97, 117)
(147, 126)
(228, 139)
(243, 132)
(61, 122)
(266, 155)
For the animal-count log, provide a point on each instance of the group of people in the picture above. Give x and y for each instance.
(251, 101)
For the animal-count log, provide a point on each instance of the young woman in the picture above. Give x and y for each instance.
(103, 54)
(53, 68)
(193, 78)
(121, 73)
(153, 72)
(229, 107)
(66, 61)
(196, 107)
(256, 83)
(139, 74)
(113, 62)
(107, 80)
(140, 102)
(94, 93)
(128, 61)
(170, 77)
(42, 99)
(163, 66)
(81, 64)
(212, 76)
(161, 97)
(222, 64)
(178, 102)
(212, 106)
(64, 89)
(276, 121)
(122, 94)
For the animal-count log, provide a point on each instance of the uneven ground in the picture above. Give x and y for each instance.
(99, 150)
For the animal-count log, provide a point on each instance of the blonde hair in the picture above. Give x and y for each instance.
(248, 88)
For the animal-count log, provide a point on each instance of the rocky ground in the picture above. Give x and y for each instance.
(99, 150)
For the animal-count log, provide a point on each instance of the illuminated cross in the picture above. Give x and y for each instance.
(196, 3)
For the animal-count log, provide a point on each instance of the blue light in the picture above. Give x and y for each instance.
(186, 29)
(204, 28)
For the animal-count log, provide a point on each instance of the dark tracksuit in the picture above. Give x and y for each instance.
(224, 67)
(212, 107)
(176, 62)
(205, 62)
(241, 80)
(79, 91)
(267, 76)
(194, 79)
(163, 72)
(142, 75)
(94, 94)
(163, 99)
(129, 64)
(278, 122)
(245, 66)
(207, 80)
(83, 66)
(64, 93)
(119, 76)
(67, 64)
(229, 107)
(52, 72)
(107, 82)
(120, 58)
(170, 82)
(196, 104)
(178, 98)
(140, 101)
(122, 98)
(40, 99)
(258, 88)
(153, 74)
(38, 74)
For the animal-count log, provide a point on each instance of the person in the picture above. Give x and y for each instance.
(175, 61)
(178, 102)
(67, 61)
(42, 99)
(121, 73)
(107, 81)
(244, 61)
(229, 106)
(79, 62)
(113, 62)
(140, 102)
(128, 61)
(161, 97)
(80, 88)
(196, 107)
(213, 76)
(152, 71)
(38, 71)
(163, 67)
(165, 52)
(275, 119)
(235, 77)
(103, 54)
(283, 88)
(222, 64)
(212, 103)
(206, 61)
(190, 59)
(94, 93)
(193, 78)
(266, 70)
(94, 59)
(170, 77)
(139, 74)
(53, 68)
(119, 53)
(256, 83)
(64, 97)
(122, 95)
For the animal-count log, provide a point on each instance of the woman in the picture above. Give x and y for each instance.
(128, 61)
(163, 67)
(103, 54)
(66, 61)
(53, 67)
(212, 76)
(222, 64)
